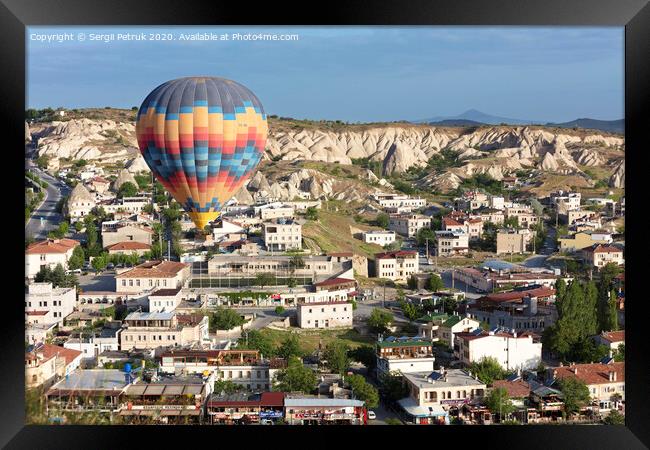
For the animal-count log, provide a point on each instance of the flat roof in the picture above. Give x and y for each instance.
(412, 408)
(93, 379)
(455, 377)
(150, 316)
(327, 402)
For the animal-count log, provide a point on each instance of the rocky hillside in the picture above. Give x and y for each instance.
(395, 148)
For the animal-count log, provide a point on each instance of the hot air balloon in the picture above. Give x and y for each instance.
(202, 137)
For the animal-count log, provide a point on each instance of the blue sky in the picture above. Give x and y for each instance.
(356, 74)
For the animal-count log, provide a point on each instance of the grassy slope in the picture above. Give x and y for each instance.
(309, 339)
(331, 233)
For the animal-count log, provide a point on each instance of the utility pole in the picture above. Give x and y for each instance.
(427, 241)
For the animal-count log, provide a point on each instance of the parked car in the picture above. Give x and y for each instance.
(372, 415)
(110, 266)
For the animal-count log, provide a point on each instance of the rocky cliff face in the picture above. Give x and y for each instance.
(498, 151)
(617, 180)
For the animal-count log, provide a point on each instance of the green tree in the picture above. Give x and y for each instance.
(614, 418)
(227, 387)
(392, 386)
(279, 310)
(77, 259)
(256, 340)
(295, 378)
(499, 403)
(362, 390)
(57, 277)
(366, 355)
(411, 312)
(264, 279)
(412, 282)
(619, 353)
(512, 222)
(225, 319)
(127, 189)
(382, 220)
(575, 393)
(100, 262)
(488, 369)
(296, 262)
(379, 320)
(336, 357)
(425, 235)
(290, 347)
(434, 283)
(311, 213)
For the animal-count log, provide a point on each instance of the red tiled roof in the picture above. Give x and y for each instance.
(515, 389)
(517, 295)
(272, 399)
(614, 336)
(67, 353)
(165, 292)
(51, 246)
(597, 373)
(334, 281)
(129, 245)
(600, 248)
(154, 269)
(448, 221)
(395, 254)
(36, 313)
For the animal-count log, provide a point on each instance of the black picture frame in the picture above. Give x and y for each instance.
(634, 15)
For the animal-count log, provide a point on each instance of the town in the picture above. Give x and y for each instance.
(488, 306)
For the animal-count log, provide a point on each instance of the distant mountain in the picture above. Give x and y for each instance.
(456, 123)
(474, 115)
(612, 126)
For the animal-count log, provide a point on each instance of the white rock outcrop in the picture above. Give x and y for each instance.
(617, 180)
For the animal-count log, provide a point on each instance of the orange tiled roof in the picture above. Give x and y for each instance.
(154, 269)
(592, 373)
(129, 245)
(614, 336)
(51, 246)
(515, 389)
(67, 353)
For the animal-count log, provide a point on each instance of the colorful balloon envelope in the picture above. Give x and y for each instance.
(202, 138)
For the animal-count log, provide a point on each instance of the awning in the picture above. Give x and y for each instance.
(411, 407)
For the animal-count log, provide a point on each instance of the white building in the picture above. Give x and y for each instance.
(275, 210)
(92, 346)
(165, 300)
(566, 201)
(48, 253)
(324, 315)
(282, 235)
(80, 203)
(451, 243)
(599, 255)
(513, 351)
(58, 302)
(405, 355)
(132, 205)
(408, 224)
(397, 265)
(379, 237)
(402, 201)
(227, 229)
(443, 328)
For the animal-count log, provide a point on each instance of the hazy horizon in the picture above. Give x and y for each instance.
(353, 74)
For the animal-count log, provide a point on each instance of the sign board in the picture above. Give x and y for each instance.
(270, 414)
(166, 407)
(460, 401)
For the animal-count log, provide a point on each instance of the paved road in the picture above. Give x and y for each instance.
(45, 218)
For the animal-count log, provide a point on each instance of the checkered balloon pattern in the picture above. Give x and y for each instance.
(202, 137)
